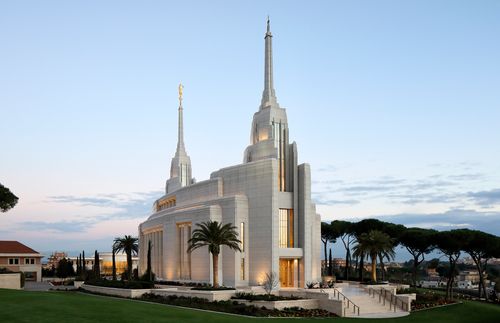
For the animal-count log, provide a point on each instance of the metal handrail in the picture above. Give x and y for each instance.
(393, 298)
(347, 300)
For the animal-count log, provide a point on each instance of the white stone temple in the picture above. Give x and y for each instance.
(267, 197)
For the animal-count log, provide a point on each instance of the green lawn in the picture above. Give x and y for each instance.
(24, 306)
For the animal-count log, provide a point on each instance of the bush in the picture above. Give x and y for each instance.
(263, 297)
(146, 277)
(212, 288)
(134, 284)
(23, 279)
(233, 307)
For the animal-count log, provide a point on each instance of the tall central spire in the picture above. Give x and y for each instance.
(268, 95)
(180, 168)
(180, 135)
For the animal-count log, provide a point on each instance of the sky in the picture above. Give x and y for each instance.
(394, 104)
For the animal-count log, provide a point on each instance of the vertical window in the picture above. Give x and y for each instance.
(279, 143)
(184, 175)
(286, 228)
(242, 236)
(184, 234)
(242, 269)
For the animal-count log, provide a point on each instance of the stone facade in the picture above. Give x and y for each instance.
(267, 198)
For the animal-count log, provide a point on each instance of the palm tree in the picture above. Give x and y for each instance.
(213, 234)
(130, 246)
(373, 244)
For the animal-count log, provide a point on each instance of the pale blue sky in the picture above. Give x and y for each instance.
(395, 104)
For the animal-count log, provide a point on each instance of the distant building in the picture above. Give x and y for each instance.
(469, 275)
(338, 263)
(16, 257)
(432, 274)
(54, 259)
(106, 263)
(466, 284)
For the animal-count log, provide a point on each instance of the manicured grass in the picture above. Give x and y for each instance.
(24, 306)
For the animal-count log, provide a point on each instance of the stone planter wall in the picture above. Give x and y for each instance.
(280, 305)
(10, 281)
(122, 292)
(407, 298)
(215, 295)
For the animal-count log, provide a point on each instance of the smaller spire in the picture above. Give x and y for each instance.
(180, 129)
(268, 26)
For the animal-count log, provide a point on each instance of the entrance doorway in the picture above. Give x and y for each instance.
(286, 273)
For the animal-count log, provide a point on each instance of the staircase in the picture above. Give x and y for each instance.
(359, 301)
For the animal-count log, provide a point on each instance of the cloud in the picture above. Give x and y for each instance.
(432, 189)
(128, 205)
(124, 206)
(486, 198)
(105, 200)
(321, 198)
(61, 226)
(327, 169)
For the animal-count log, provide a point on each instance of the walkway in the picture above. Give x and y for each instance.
(369, 307)
(37, 286)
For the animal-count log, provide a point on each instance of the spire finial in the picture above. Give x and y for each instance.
(268, 95)
(181, 87)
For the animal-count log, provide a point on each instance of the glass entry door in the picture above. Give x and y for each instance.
(286, 272)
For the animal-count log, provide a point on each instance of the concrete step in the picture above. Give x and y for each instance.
(370, 306)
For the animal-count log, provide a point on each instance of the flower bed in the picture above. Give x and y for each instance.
(426, 299)
(210, 288)
(234, 307)
(121, 284)
(264, 297)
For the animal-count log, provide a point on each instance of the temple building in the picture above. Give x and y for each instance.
(267, 197)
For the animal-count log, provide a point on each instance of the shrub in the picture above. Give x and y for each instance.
(311, 285)
(23, 279)
(212, 288)
(261, 297)
(233, 307)
(134, 284)
(270, 282)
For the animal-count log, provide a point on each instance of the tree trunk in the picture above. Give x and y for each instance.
(114, 265)
(360, 268)
(374, 267)
(415, 267)
(215, 274)
(129, 265)
(330, 263)
(481, 277)
(382, 267)
(347, 263)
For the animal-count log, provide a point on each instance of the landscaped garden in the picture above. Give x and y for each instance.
(24, 306)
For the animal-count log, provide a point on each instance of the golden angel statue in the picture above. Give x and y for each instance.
(181, 87)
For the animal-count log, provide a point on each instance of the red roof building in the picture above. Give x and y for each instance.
(16, 257)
